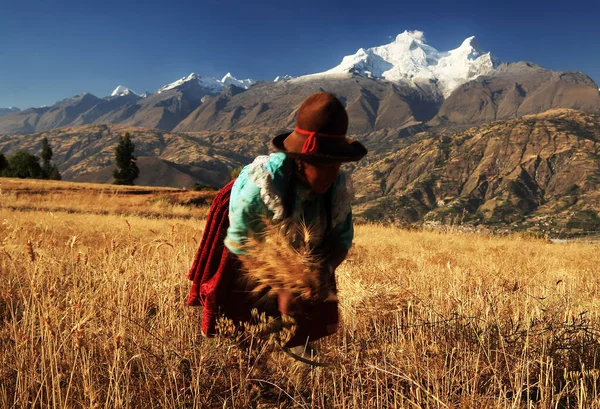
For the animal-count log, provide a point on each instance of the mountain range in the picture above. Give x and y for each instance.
(538, 172)
(397, 85)
(450, 133)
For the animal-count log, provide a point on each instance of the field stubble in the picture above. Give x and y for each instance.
(92, 314)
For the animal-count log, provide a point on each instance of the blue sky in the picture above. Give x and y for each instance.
(51, 50)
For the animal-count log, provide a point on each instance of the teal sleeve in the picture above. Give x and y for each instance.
(342, 234)
(247, 213)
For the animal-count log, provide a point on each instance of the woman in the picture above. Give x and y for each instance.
(301, 185)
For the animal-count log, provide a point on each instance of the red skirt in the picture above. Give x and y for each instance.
(219, 287)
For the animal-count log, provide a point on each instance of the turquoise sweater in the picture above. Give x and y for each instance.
(257, 195)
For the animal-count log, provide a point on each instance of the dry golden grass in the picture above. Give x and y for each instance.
(92, 314)
(89, 198)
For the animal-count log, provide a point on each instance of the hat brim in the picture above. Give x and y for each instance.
(347, 151)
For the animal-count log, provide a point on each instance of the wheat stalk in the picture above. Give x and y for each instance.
(273, 264)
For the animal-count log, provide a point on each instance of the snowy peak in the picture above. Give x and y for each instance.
(121, 91)
(463, 64)
(211, 84)
(190, 79)
(229, 79)
(471, 43)
(410, 59)
(410, 40)
(469, 49)
(281, 78)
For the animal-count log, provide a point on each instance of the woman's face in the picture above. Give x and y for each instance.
(320, 177)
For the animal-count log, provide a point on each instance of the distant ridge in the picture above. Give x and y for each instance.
(4, 111)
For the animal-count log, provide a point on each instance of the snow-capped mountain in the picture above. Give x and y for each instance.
(410, 59)
(211, 84)
(121, 91)
(229, 79)
(280, 78)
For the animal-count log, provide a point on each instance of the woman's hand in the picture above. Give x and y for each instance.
(326, 281)
(285, 302)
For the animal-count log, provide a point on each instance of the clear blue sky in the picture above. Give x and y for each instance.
(51, 49)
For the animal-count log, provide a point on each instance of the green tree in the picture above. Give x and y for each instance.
(49, 171)
(127, 170)
(46, 157)
(24, 165)
(54, 174)
(3, 164)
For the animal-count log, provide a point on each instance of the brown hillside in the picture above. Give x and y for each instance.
(372, 105)
(515, 90)
(166, 159)
(540, 171)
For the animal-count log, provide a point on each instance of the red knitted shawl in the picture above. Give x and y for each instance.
(212, 268)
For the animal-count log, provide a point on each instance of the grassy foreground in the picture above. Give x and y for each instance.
(92, 314)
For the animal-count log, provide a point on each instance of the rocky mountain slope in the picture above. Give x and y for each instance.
(539, 172)
(372, 105)
(165, 159)
(514, 90)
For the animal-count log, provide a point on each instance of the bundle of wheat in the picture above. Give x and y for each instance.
(273, 264)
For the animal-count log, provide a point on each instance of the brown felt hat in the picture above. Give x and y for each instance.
(320, 134)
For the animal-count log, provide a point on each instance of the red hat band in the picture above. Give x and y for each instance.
(311, 145)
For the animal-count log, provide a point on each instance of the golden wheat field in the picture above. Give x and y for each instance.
(92, 315)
